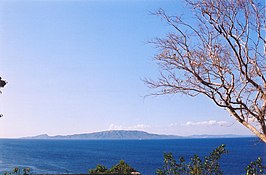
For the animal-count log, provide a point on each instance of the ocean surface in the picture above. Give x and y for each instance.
(78, 156)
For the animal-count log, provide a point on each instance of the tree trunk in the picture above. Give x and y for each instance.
(255, 131)
(262, 136)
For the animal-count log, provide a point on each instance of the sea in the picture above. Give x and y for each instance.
(146, 156)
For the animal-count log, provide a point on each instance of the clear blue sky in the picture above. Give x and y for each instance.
(77, 67)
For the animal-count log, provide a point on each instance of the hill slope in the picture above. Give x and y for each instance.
(108, 135)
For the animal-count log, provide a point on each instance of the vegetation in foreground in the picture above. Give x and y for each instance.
(207, 166)
(18, 171)
(121, 168)
(197, 166)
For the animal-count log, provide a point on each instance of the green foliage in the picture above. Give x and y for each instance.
(98, 169)
(26, 171)
(17, 171)
(121, 168)
(196, 166)
(256, 168)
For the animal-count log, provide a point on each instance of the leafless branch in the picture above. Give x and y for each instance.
(221, 57)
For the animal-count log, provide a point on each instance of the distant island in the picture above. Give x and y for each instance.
(108, 135)
(124, 135)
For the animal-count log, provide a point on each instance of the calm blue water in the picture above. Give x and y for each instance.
(68, 156)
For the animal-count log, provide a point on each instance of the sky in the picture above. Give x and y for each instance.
(78, 67)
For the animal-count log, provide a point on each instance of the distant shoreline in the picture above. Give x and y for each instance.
(128, 135)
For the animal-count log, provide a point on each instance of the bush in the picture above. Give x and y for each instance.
(196, 166)
(98, 169)
(17, 171)
(256, 167)
(208, 166)
(121, 168)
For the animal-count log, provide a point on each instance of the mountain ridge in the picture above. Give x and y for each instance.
(125, 135)
(108, 135)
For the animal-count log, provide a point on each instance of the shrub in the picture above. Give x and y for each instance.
(17, 171)
(121, 168)
(210, 164)
(256, 167)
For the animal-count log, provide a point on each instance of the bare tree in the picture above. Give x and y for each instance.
(221, 55)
